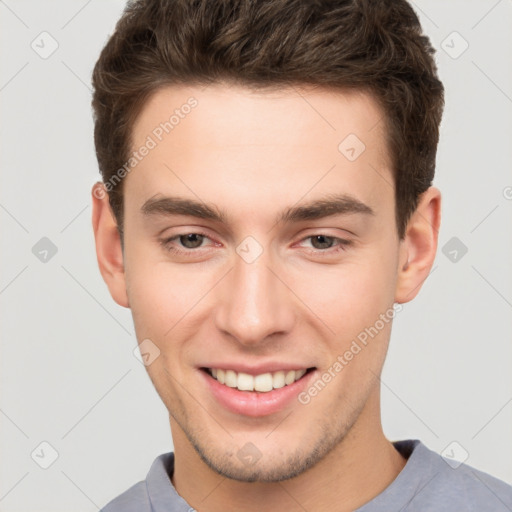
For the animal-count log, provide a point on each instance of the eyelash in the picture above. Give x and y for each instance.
(342, 244)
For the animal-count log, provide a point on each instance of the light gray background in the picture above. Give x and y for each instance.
(68, 373)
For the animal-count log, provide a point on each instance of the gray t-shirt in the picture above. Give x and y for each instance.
(427, 483)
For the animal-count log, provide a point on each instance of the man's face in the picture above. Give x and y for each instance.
(257, 291)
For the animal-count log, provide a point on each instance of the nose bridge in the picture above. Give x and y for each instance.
(254, 303)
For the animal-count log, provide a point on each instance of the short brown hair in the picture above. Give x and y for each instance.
(369, 45)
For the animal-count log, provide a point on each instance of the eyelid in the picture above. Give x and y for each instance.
(336, 238)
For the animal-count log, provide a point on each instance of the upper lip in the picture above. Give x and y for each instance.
(258, 369)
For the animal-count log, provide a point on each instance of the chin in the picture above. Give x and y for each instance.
(247, 463)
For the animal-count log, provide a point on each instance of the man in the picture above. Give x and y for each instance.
(266, 203)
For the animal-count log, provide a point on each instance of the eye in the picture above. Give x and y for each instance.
(322, 241)
(327, 244)
(191, 240)
(187, 242)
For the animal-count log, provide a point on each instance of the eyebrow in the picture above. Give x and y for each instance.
(332, 204)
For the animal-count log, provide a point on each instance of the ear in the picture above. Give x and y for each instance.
(109, 251)
(419, 246)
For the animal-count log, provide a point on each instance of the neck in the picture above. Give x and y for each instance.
(360, 467)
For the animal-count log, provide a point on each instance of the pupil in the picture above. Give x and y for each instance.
(191, 240)
(323, 243)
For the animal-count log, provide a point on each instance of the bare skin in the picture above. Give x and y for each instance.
(302, 301)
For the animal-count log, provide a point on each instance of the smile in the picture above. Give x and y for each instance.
(256, 392)
(263, 383)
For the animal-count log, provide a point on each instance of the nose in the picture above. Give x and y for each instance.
(254, 302)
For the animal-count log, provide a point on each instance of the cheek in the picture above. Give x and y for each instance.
(164, 296)
(350, 296)
(154, 292)
(158, 300)
(162, 302)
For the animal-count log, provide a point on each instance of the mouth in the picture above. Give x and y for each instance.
(257, 395)
(262, 383)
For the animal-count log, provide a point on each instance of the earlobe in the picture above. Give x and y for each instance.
(419, 246)
(109, 251)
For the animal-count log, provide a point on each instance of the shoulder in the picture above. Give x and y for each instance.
(135, 499)
(156, 488)
(449, 485)
(474, 488)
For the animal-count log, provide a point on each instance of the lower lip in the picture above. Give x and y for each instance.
(254, 403)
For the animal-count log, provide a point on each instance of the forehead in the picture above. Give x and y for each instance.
(230, 142)
(230, 115)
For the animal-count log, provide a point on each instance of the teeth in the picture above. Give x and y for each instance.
(245, 382)
(263, 383)
(299, 374)
(230, 379)
(278, 380)
(289, 377)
